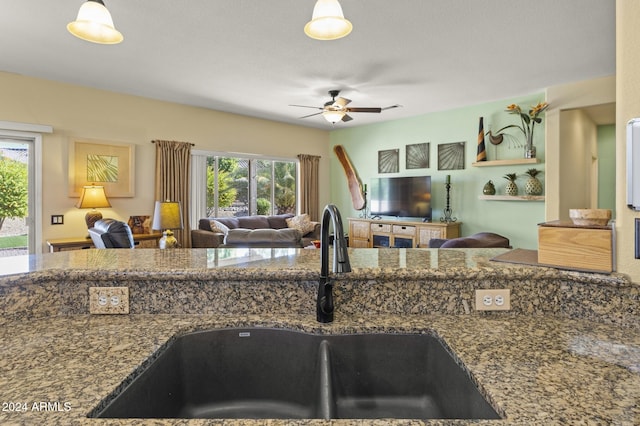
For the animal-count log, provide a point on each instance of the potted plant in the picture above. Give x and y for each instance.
(527, 124)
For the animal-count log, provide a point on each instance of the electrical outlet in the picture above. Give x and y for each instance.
(109, 300)
(493, 300)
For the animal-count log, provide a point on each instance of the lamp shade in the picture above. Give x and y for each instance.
(167, 215)
(94, 24)
(327, 21)
(333, 116)
(93, 197)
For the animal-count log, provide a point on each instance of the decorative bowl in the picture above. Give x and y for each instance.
(590, 217)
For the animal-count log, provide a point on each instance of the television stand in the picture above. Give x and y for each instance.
(399, 234)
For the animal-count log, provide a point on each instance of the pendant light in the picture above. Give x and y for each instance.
(327, 22)
(94, 24)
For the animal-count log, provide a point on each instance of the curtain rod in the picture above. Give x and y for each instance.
(192, 144)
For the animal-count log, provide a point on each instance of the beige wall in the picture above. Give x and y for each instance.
(558, 158)
(75, 111)
(578, 134)
(627, 107)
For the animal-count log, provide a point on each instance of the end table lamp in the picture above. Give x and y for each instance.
(167, 215)
(92, 197)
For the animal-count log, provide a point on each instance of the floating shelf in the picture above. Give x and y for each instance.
(512, 197)
(515, 161)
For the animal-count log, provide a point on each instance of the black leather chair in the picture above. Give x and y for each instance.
(111, 233)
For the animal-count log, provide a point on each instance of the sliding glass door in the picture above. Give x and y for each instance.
(17, 183)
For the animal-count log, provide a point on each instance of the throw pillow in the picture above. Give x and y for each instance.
(302, 223)
(218, 227)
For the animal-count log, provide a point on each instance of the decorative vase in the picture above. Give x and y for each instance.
(489, 189)
(511, 189)
(529, 149)
(533, 186)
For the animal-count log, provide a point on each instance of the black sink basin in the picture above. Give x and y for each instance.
(283, 374)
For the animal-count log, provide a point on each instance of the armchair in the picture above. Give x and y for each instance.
(111, 233)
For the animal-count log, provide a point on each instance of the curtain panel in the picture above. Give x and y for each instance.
(198, 187)
(173, 160)
(309, 185)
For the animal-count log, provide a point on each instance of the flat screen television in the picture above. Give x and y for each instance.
(401, 197)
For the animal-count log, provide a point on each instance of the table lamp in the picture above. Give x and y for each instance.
(93, 197)
(167, 216)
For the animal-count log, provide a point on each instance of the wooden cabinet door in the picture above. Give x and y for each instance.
(358, 234)
(451, 231)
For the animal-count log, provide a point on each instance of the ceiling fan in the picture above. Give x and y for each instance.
(336, 109)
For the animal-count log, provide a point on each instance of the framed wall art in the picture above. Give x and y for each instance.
(417, 156)
(451, 156)
(109, 164)
(389, 161)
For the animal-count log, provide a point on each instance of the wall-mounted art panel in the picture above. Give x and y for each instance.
(451, 156)
(109, 164)
(417, 156)
(389, 161)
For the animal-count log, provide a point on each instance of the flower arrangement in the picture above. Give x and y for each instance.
(527, 120)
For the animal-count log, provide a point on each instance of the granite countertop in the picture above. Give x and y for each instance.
(281, 259)
(536, 367)
(535, 370)
(298, 262)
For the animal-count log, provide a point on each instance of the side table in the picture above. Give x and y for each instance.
(80, 243)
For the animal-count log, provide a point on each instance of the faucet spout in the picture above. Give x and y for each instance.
(341, 264)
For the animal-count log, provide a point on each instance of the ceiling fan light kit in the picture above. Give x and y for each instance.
(336, 110)
(327, 21)
(333, 116)
(94, 24)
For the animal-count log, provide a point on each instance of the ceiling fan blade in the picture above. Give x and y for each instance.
(346, 118)
(392, 106)
(341, 102)
(306, 106)
(311, 115)
(364, 109)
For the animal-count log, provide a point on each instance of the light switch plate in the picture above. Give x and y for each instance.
(109, 300)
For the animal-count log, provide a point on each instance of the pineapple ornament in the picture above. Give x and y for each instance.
(511, 188)
(533, 186)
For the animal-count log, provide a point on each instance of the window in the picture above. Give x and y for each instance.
(241, 186)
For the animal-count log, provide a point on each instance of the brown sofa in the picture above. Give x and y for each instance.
(252, 231)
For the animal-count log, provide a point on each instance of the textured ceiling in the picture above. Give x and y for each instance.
(251, 57)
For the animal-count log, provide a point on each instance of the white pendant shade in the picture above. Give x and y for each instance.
(327, 22)
(94, 24)
(333, 116)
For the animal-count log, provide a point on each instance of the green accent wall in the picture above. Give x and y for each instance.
(516, 220)
(607, 167)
